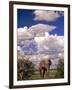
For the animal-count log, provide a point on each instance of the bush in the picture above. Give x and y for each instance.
(60, 69)
(25, 69)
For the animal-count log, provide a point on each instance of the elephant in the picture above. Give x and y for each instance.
(44, 66)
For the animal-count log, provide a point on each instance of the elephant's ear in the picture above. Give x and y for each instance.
(50, 62)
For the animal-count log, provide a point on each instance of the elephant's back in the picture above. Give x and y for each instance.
(43, 63)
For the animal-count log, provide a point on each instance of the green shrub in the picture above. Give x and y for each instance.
(25, 69)
(60, 69)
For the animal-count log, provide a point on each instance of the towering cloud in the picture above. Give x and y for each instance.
(41, 28)
(51, 45)
(35, 30)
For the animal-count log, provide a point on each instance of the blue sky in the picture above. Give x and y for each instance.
(25, 18)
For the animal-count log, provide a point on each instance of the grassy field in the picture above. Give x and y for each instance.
(50, 75)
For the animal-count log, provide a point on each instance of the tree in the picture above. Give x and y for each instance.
(60, 69)
(25, 69)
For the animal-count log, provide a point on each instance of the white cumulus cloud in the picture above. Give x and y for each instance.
(47, 15)
(51, 44)
(23, 34)
(20, 52)
(35, 30)
(40, 29)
